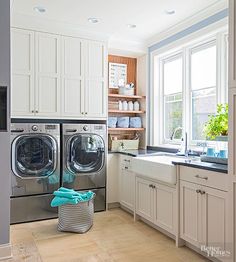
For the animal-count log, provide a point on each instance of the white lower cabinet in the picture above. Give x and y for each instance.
(156, 203)
(203, 216)
(127, 183)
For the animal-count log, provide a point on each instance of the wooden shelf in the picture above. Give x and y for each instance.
(125, 96)
(125, 112)
(126, 129)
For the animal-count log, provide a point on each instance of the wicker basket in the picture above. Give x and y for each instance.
(76, 218)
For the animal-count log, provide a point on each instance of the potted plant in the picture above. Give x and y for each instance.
(216, 127)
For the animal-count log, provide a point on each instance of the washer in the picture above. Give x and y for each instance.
(35, 163)
(84, 159)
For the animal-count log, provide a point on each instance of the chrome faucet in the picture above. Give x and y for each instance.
(184, 147)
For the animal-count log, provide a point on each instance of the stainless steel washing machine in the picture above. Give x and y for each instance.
(35, 163)
(84, 160)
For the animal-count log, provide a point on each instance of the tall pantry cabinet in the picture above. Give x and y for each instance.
(232, 128)
(57, 76)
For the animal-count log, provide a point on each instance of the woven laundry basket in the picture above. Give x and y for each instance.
(76, 218)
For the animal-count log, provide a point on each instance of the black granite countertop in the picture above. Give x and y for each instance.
(203, 165)
(135, 153)
(193, 163)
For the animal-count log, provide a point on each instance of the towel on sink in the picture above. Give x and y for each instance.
(65, 196)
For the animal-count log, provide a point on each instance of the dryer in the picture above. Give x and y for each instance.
(35, 164)
(84, 159)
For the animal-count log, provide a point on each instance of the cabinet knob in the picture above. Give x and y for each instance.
(36, 111)
(151, 185)
(82, 113)
(203, 192)
(198, 191)
(126, 167)
(32, 111)
(86, 113)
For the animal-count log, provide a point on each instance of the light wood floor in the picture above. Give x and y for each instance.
(114, 237)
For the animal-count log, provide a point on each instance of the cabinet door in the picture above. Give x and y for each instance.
(164, 207)
(214, 218)
(72, 98)
(47, 75)
(22, 94)
(112, 178)
(95, 88)
(190, 213)
(127, 186)
(144, 199)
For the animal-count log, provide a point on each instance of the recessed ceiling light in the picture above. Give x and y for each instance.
(169, 11)
(93, 20)
(39, 9)
(131, 26)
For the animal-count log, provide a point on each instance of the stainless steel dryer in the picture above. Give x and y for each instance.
(84, 159)
(35, 163)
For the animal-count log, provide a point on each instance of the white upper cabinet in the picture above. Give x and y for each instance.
(47, 74)
(57, 76)
(72, 77)
(22, 94)
(95, 90)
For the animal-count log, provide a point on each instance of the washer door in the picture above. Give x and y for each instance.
(34, 156)
(85, 153)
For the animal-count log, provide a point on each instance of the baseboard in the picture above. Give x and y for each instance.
(5, 251)
(113, 205)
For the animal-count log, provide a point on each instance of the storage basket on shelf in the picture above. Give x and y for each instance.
(76, 218)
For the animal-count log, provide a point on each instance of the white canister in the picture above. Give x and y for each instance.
(125, 105)
(136, 106)
(130, 106)
(120, 106)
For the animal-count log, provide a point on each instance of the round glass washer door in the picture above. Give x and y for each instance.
(34, 156)
(85, 153)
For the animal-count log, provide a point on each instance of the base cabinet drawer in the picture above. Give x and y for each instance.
(204, 177)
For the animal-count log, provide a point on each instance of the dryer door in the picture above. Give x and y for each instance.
(85, 153)
(34, 156)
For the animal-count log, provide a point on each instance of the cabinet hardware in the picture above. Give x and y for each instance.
(126, 167)
(36, 111)
(151, 185)
(32, 111)
(203, 192)
(202, 177)
(86, 113)
(198, 191)
(82, 113)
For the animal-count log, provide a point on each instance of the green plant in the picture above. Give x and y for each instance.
(217, 125)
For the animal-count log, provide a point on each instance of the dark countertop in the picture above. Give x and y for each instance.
(135, 153)
(194, 163)
(203, 165)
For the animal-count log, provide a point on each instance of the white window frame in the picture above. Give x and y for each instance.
(156, 92)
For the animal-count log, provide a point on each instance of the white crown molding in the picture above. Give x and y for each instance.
(126, 47)
(5, 251)
(55, 27)
(199, 16)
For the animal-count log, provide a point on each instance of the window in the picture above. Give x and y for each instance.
(173, 87)
(188, 83)
(203, 87)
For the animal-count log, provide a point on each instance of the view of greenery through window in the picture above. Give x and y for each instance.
(190, 75)
(173, 105)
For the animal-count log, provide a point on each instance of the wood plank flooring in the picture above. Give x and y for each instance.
(114, 237)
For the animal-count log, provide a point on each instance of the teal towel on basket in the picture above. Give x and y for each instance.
(65, 196)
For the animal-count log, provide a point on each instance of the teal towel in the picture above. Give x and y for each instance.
(65, 196)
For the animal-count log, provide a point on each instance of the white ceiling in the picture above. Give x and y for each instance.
(114, 15)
